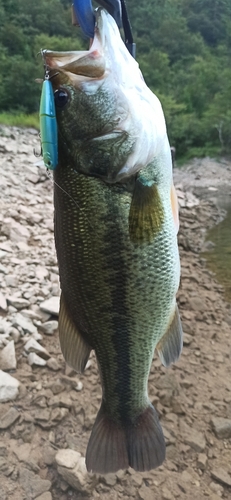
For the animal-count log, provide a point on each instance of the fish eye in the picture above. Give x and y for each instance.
(61, 97)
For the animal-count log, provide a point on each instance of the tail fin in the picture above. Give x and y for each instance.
(145, 440)
(139, 445)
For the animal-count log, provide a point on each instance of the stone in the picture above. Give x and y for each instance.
(49, 455)
(145, 493)
(202, 461)
(109, 479)
(192, 437)
(17, 302)
(8, 387)
(197, 304)
(51, 306)
(33, 346)
(221, 427)
(25, 323)
(3, 302)
(33, 484)
(7, 357)
(67, 458)
(22, 451)
(18, 232)
(77, 475)
(9, 418)
(41, 273)
(15, 334)
(30, 313)
(45, 496)
(166, 494)
(49, 327)
(53, 364)
(34, 359)
(187, 339)
(221, 476)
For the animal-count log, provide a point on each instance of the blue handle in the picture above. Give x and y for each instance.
(85, 15)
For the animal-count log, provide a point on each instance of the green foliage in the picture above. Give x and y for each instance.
(20, 119)
(183, 48)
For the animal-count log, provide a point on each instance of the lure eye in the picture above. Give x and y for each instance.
(61, 98)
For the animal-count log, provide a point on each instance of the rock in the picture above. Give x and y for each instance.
(37, 336)
(25, 323)
(166, 494)
(45, 496)
(57, 387)
(33, 346)
(192, 437)
(67, 458)
(3, 302)
(18, 232)
(17, 302)
(202, 461)
(34, 359)
(197, 304)
(41, 273)
(77, 475)
(53, 364)
(145, 493)
(22, 451)
(9, 418)
(7, 357)
(8, 387)
(187, 339)
(33, 484)
(49, 327)
(51, 306)
(221, 427)
(109, 479)
(221, 476)
(15, 334)
(49, 455)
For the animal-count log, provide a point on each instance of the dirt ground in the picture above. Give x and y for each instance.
(54, 408)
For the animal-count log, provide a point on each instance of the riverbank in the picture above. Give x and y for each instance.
(53, 408)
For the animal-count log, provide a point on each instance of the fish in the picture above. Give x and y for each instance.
(115, 224)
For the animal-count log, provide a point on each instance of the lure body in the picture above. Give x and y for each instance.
(48, 126)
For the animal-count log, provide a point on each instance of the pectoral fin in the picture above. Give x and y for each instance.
(170, 346)
(75, 349)
(146, 212)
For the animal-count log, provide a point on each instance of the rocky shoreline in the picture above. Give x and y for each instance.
(47, 411)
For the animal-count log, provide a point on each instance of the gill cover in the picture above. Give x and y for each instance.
(48, 126)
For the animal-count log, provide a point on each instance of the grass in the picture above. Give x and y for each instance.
(20, 120)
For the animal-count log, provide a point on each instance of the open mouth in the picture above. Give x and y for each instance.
(65, 66)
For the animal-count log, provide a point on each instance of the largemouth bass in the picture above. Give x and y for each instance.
(116, 225)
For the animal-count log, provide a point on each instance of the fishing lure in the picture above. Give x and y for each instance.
(48, 125)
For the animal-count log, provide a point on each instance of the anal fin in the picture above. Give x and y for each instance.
(75, 349)
(170, 345)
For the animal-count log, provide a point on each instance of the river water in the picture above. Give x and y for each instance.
(219, 257)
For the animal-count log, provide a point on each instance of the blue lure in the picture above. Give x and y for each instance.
(48, 126)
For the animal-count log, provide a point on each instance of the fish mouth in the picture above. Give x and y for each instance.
(77, 66)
